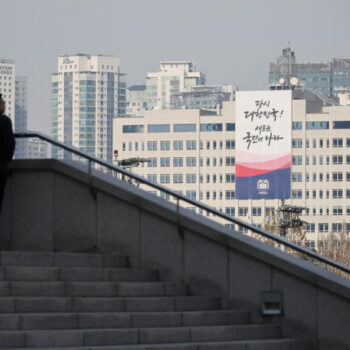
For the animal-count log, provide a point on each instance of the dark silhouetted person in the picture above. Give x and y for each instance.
(7, 147)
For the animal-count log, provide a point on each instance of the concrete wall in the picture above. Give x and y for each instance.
(50, 205)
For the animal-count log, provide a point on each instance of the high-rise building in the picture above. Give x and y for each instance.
(136, 100)
(87, 93)
(325, 78)
(21, 115)
(15, 91)
(7, 86)
(36, 149)
(173, 78)
(194, 152)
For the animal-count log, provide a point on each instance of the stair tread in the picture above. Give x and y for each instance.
(173, 345)
(253, 326)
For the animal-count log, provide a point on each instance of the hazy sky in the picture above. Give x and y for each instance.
(232, 41)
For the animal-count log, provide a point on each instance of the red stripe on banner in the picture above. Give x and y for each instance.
(242, 171)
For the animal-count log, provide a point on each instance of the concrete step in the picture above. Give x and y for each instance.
(42, 321)
(15, 258)
(133, 336)
(270, 344)
(107, 304)
(37, 273)
(100, 289)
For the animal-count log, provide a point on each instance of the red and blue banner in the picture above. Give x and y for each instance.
(263, 144)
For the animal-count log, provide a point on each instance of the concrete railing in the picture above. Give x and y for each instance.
(55, 206)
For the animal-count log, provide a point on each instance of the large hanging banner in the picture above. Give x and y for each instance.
(263, 144)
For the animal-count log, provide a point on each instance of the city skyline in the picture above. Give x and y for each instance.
(230, 42)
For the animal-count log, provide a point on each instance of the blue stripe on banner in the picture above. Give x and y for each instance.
(272, 185)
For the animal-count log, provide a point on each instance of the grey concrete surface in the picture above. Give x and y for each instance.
(51, 205)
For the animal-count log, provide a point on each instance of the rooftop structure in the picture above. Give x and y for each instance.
(326, 78)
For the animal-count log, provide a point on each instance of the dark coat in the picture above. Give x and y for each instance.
(7, 142)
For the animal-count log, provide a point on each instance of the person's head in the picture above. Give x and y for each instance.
(2, 105)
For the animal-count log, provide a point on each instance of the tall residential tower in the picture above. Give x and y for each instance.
(174, 77)
(7, 86)
(87, 93)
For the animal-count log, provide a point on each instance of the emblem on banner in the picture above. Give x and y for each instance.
(263, 186)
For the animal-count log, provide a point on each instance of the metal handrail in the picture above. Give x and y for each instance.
(266, 234)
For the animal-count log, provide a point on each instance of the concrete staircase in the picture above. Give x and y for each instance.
(96, 301)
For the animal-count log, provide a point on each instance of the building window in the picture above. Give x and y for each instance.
(297, 160)
(164, 178)
(165, 145)
(152, 177)
(337, 194)
(191, 144)
(165, 161)
(337, 211)
(297, 194)
(230, 211)
(152, 162)
(230, 178)
(337, 177)
(322, 228)
(337, 160)
(230, 127)
(256, 211)
(337, 142)
(191, 161)
(178, 161)
(184, 127)
(152, 145)
(242, 211)
(178, 178)
(297, 125)
(230, 194)
(191, 194)
(151, 128)
(337, 227)
(130, 129)
(211, 127)
(230, 144)
(297, 143)
(178, 145)
(297, 177)
(341, 124)
(317, 125)
(310, 228)
(230, 161)
(190, 178)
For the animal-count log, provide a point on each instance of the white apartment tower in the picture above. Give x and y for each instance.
(21, 115)
(87, 93)
(7, 86)
(173, 78)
